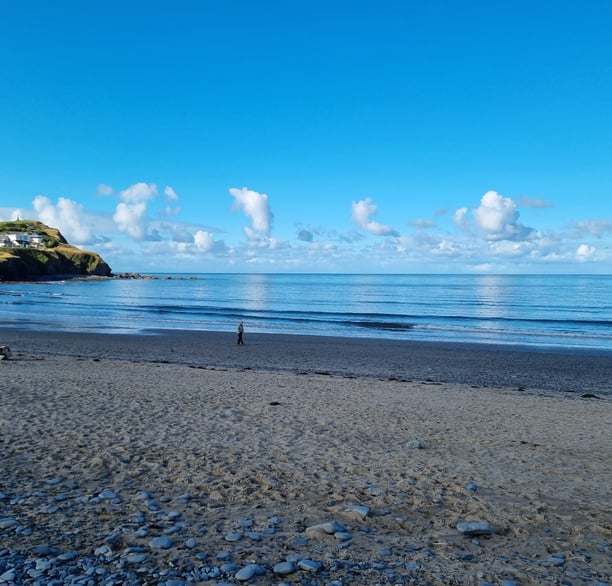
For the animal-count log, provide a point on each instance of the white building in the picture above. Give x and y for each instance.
(21, 240)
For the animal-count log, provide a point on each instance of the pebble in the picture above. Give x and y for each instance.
(343, 535)
(8, 576)
(556, 559)
(360, 511)
(229, 568)
(475, 528)
(328, 528)
(245, 574)
(415, 444)
(43, 564)
(245, 523)
(7, 522)
(68, 556)
(284, 568)
(107, 494)
(161, 543)
(309, 565)
(120, 558)
(113, 538)
(249, 572)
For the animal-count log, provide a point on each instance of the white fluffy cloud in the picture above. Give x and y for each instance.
(203, 241)
(362, 212)
(256, 206)
(170, 193)
(145, 226)
(68, 216)
(585, 252)
(497, 217)
(171, 196)
(131, 213)
(131, 219)
(139, 192)
(256, 238)
(460, 218)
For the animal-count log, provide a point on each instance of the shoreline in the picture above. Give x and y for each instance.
(566, 371)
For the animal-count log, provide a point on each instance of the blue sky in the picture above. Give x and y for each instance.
(306, 136)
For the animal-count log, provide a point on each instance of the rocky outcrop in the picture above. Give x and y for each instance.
(53, 259)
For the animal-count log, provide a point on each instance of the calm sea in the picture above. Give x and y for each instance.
(559, 311)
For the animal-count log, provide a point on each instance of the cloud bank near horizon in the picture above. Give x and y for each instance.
(144, 229)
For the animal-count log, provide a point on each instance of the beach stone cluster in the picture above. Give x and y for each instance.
(167, 540)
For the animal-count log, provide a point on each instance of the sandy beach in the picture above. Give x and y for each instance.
(182, 458)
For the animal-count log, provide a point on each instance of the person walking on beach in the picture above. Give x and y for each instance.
(240, 332)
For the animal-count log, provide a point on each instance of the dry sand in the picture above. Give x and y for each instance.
(286, 445)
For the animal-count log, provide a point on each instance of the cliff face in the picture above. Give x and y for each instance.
(53, 258)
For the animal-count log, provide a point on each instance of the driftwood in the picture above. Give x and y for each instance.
(5, 352)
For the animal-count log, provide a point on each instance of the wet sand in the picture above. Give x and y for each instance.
(534, 369)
